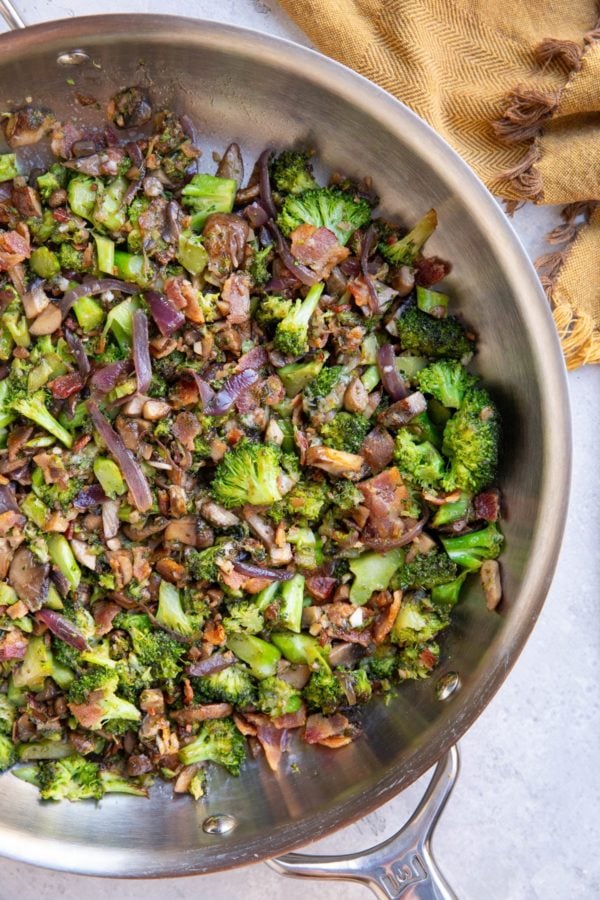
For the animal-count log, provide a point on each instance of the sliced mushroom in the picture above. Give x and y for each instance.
(29, 577)
(27, 126)
(47, 322)
(336, 462)
(491, 583)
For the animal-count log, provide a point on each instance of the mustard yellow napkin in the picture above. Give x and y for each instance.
(514, 86)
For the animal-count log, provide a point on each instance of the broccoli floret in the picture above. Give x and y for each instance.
(325, 207)
(244, 617)
(72, 259)
(418, 461)
(417, 660)
(427, 571)
(296, 376)
(324, 383)
(72, 778)
(448, 594)
(373, 572)
(418, 621)
(248, 474)
(291, 334)
(231, 685)
(471, 442)
(38, 664)
(277, 698)
(170, 611)
(323, 692)
(425, 335)
(7, 715)
(383, 666)
(305, 501)
(153, 648)
(425, 430)
(346, 431)
(218, 741)
(291, 171)
(345, 495)
(470, 550)
(35, 409)
(308, 548)
(56, 497)
(258, 268)
(446, 380)
(112, 711)
(8, 753)
(452, 512)
(65, 655)
(202, 564)
(404, 252)
(272, 309)
(207, 194)
(51, 181)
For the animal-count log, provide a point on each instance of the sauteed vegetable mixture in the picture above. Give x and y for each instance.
(244, 470)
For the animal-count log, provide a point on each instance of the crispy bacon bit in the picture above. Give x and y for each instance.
(202, 713)
(236, 292)
(14, 248)
(487, 505)
(13, 645)
(320, 587)
(291, 720)
(104, 613)
(384, 497)
(322, 729)
(66, 385)
(87, 714)
(385, 620)
(431, 269)
(317, 248)
(273, 742)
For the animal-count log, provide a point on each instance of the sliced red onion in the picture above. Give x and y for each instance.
(253, 571)
(95, 286)
(135, 154)
(166, 315)
(265, 183)
(89, 497)
(253, 359)
(106, 379)
(367, 244)
(188, 127)
(141, 351)
(129, 466)
(383, 544)
(63, 629)
(77, 349)
(256, 215)
(204, 389)
(132, 191)
(8, 501)
(390, 377)
(6, 190)
(172, 228)
(215, 663)
(229, 393)
(302, 273)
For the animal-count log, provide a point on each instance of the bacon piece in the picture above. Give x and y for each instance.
(202, 713)
(318, 248)
(432, 269)
(253, 359)
(13, 645)
(384, 497)
(242, 725)
(385, 620)
(291, 720)
(87, 714)
(14, 248)
(273, 742)
(236, 292)
(320, 587)
(104, 613)
(321, 729)
(27, 201)
(487, 505)
(65, 385)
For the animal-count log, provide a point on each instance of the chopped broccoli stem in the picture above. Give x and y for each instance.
(109, 475)
(301, 649)
(373, 572)
(44, 262)
(89, 313)
(105, 254)
(62, 556)
(8, 166)
(261, 656)
(405, 251)
(191, 253)
(290, 604)
(34, 408)
(448, 594)
(207, 194)
(291, 334)
(296, 376)
(470, 550)
(170, 611)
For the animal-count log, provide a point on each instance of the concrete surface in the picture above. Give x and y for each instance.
(522, 822)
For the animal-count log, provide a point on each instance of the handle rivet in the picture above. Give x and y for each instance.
(73, 58)
(221, 824)
(447, 685)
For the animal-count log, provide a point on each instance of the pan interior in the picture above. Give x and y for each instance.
(242, 86)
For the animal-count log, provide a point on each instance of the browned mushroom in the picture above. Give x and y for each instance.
(29, 577)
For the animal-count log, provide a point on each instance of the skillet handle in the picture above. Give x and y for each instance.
(10, 15)
(403, 866)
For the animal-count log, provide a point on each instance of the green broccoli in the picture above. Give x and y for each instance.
(8, 753)
(373, 572)
(427, 571)
(52, 180)
(448, 594)
(112, 711)
(405, 251)
(202, 564)
(153, 648)
(170, 611)
(346, 431)
(417, 621)
(424, 335)
(448, 513)
(258, 267)
(470, 550)
(7, 715)
(417, 660)
(306, 501)
(9, 168)
(291, 334)
(291, 171)
(53, 495)
(327, 379)
(272, 309)
(419, 461)
(72, 778)
(471, 442)
(345, 496)
(207, 194)
(232, 685)
(325, 207)
(323, 692)
(35, 408)
(446, 380)
(424, 429)
(248, 474)
(277, 698)
(72, 260)
(296, 376)
(383, 665)
(218, 741)
(244, 617)
(38, 664)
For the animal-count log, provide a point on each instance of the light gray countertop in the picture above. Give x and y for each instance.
(522, 823)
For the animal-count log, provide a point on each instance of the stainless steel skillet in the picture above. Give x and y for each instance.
(244, 86)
